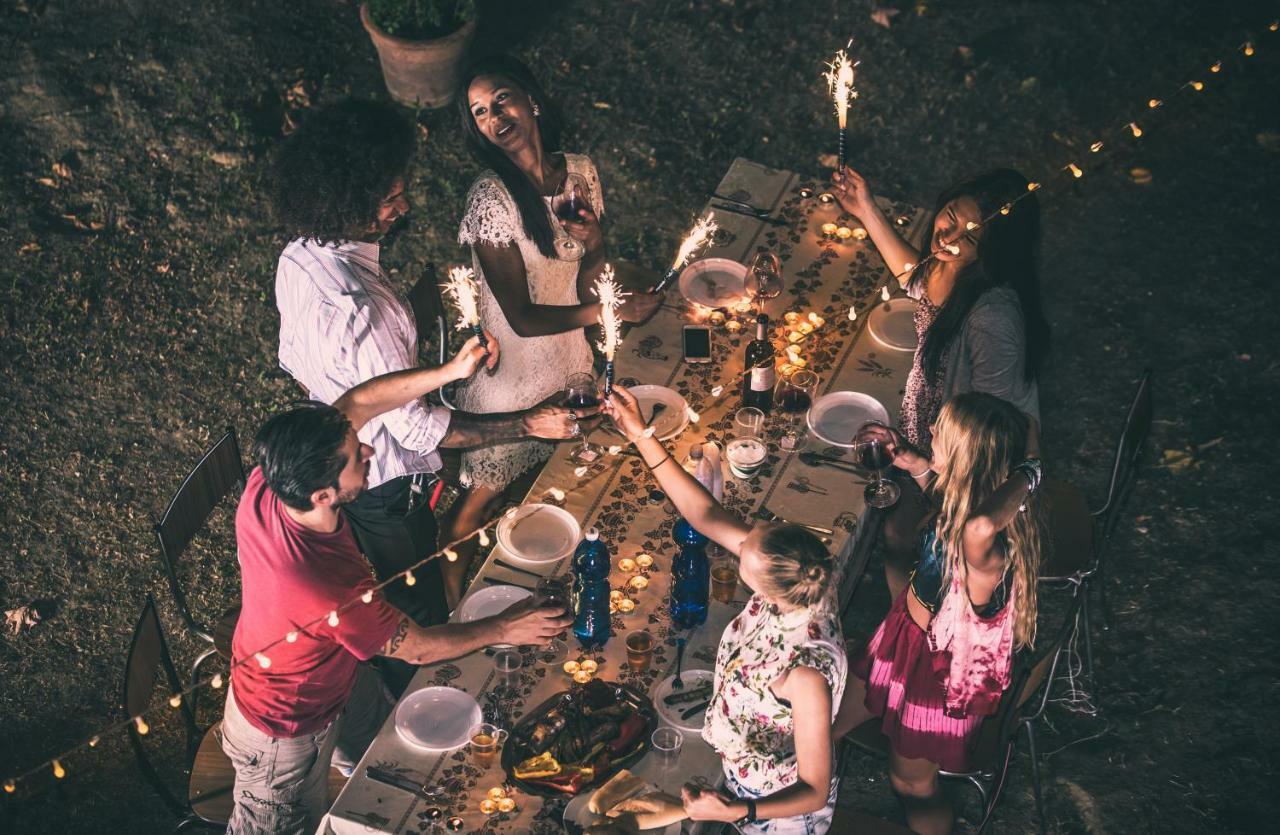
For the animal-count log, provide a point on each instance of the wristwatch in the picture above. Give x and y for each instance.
(750, 816)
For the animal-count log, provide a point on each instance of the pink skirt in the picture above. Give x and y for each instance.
(904, 689)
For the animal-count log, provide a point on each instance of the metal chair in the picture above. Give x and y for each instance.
(994, 749)
(220, 472)
(1124, 468)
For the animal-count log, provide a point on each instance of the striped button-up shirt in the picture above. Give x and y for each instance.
(341, 323)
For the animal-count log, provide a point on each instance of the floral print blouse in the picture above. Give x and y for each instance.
(747, 725)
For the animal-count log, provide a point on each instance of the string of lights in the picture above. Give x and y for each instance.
(1073, 170)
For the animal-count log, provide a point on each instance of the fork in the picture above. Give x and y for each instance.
(769, 516)
(676, 683)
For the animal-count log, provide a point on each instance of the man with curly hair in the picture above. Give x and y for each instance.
(338, 186)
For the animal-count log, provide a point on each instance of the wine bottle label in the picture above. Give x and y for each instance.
(763, 378)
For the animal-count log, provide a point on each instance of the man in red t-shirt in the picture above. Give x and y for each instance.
(308, 700)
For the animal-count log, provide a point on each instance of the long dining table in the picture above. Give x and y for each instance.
(823, 274)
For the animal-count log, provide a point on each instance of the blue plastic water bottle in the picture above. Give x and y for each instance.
(690, 577)
(591, 591)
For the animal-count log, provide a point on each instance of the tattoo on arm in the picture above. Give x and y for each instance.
(467, 430)
(397, 638)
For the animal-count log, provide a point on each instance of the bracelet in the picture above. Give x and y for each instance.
(750, 816)
(922, 473)
(664, 459)
(1033, 471)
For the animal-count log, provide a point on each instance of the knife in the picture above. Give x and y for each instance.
(763, 216)
(494, 581)
(397, 781)
(500, 561)
(744, 204)
(696, 709)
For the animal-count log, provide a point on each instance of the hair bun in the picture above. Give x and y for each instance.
(815, 573)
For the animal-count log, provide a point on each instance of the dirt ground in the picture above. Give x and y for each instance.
(138, 318)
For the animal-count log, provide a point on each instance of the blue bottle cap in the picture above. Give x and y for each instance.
(592, 534)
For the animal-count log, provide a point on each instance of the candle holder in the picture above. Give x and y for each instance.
(829, 231)
(859, 234)
(791, 317)
(627, 565)
(826, 198)
(645, 561)
(733, 326)
(843, 234)
(805, 192)
(716, 318)
(626, 605)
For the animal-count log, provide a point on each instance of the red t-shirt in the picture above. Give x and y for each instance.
(289, 576)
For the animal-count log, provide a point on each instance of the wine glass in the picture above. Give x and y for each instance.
(793, 397)
(581, 392)
(766, 272)
(879, 492)
(572, 195)
(554, 592)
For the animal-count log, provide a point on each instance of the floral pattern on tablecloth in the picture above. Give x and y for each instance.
(750, 728)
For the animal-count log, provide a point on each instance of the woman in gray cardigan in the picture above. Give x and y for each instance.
(979, 324)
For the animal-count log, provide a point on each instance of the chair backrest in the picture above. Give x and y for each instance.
(219, 472)
(1070, 530)
(148, 655)
(430, 314)
(1133, 437)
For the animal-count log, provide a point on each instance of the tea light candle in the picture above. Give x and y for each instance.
(733, 326)
(627, 565)
(589, 665)
(616, 595)
(571, 666)
(743, 307)
(799, 362)
(829, 230)
(638, 582)
(795, 336)
(844, 233)
(791, 317)
(805, 328)
(816, 320)
(787, 368)
(793, 352)
(805, 192)
(716, 318)
(826, 198)
(902, 220)
(859, 234)
(582, 677)
(644, 560)
(506, 804)
(626, 605)
(497, 793)
(488, 806)
(455, 824)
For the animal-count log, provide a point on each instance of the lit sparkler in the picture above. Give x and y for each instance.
(611, 295)
(461, 287)
(840, 75)
(698, 237)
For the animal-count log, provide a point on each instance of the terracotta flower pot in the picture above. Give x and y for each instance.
(420, 73)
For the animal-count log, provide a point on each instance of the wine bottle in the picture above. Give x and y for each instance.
(759, 376)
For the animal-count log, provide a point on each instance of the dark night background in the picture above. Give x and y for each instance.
(138, 320)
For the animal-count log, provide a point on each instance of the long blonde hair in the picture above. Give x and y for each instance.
(981, 437)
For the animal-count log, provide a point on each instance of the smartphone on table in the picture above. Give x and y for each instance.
(697, 343)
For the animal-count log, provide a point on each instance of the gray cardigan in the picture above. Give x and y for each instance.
(990, 353)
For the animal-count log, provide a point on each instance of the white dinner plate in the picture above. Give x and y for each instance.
(437, 718)
(836, 417)
(576, 813)
(487, 602)
(671, 713)
(672, 420)
(893, 324)
(714, 282)
(539, 533)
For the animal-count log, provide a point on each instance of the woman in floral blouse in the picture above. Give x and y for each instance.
(780, 670)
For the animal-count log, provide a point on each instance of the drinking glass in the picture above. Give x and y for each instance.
(581, 392)
(766, 273)
(572, 195)
(554, 591)
(667, 743)
(746, 450)
(879, 492)
(793, 397)
(508, 663)
(486, 742)
(724, 580)
(639, 650)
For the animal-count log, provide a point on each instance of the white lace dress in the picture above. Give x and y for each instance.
(532, 368)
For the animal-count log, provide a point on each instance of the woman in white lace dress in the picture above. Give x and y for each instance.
(533, 297)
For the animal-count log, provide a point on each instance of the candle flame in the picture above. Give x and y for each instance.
(840, 75)
(461, 288)
(697, 237)
(611, 295)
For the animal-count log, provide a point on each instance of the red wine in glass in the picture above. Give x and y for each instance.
(875, 457)
(569, 206)
(581, 400)
(794, 401)
(879, 492)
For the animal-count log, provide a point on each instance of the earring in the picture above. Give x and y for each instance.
(536, 111)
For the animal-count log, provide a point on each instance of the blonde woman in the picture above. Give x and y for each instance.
(780, 669)
(940, 661)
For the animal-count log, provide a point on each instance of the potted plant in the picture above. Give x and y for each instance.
(421, 45)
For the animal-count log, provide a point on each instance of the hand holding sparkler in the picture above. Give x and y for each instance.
(840, 75)
(611, 298)
(699, 236)
(461, 287)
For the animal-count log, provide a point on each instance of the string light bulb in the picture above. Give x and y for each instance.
(1006, 208)
(141, 724)
(1135, 130)
(263, 661)
(853, 313)
(1248, 49)
(175, 701)
(58, 770)
(216, 681)
(333, 618)
(1032, 186)
(884, 291)
(1095, 147)
(367, 597)
(409, 579)
(1154, 103)
(94, 740)
(1197, 86)
(1075, 170)
(1217, 67)
(484, 538)
(1275, 26)
(10, 786)
(971, 225)
(450, 555)
(291, 636)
